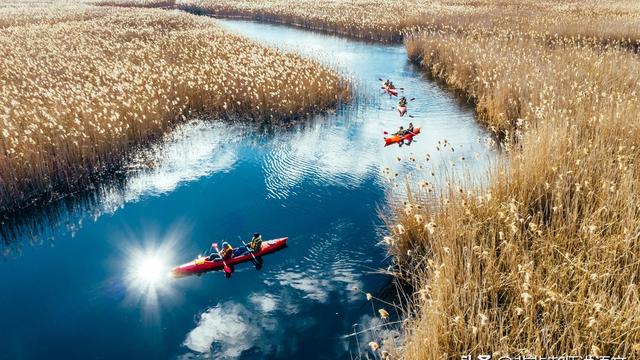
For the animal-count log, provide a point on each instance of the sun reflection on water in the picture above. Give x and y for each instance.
(148, 276)
(150, 271)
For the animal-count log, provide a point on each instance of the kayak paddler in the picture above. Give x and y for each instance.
(410, 129)
(256, 243)
(253, 246)
(402, 102)
(401, 132)
(226, 251)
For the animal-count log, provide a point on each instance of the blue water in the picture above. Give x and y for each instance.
(86, 277)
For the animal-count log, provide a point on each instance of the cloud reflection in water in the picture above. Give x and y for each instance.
(228, 329)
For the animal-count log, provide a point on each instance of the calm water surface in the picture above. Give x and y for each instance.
(75, 275)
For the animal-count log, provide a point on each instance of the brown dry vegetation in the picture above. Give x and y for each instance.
(82, 85)
(546, 259)
(133, 3)
(388, 20)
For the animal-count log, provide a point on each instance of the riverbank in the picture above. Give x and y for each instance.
(102, 81)
(613, 21)
(318, 181)
(543, 260)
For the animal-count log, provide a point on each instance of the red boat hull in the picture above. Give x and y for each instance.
(402, 110)
(202, 265)
(394, 139)
(393, 92)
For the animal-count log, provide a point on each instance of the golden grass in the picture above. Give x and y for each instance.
(517, 82)
(79, 92)
(357, 18)
(545, 260)
(133, 3)
(387, 20)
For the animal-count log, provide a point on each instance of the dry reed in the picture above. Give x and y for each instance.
(79, 92)
(388, 20)
(544, 261)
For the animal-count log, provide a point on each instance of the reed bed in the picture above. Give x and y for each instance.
(134, 3)
(544, 260)
(389, 20)
(25, 14)
(79, 93)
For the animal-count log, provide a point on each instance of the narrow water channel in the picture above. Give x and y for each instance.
(74, 275)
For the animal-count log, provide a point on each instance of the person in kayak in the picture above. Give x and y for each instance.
(410, 129)
(256, 243)
(402, 102)
(401, 132)
(408, 140)
(253, 246)
(226, 251)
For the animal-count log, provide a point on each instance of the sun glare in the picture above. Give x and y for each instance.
(147, 275)
(148, 270)
(151, 270)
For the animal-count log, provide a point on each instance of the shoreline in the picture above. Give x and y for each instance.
(546, 220)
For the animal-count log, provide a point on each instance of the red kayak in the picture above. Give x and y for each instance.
(390, 91)
(394, 139)
(203, 264)
(402, 110)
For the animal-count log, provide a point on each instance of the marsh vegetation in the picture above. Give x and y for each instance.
(83, 85)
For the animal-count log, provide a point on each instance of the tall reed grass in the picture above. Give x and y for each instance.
(389, 20)
(134, 3)
(79, 92)
(544, 260)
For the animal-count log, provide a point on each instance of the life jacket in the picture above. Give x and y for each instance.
(256, 243)
(226, 252)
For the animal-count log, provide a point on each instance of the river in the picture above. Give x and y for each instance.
(85, 277)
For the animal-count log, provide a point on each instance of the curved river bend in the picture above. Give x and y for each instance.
(73, 279)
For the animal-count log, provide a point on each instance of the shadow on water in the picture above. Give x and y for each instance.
(38, 225)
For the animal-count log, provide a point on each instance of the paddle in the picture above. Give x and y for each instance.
(206, 252)
(227, 269)
(257, 261)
